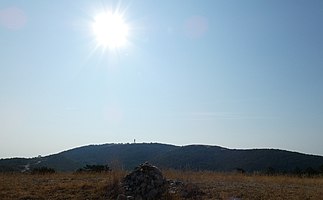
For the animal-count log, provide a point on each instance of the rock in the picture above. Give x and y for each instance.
(174, 186)
(146, 182)
(184, 190)
(122, 197)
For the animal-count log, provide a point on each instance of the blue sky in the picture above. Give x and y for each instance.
(239, 74)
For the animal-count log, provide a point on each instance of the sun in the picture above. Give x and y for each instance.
(110, 30)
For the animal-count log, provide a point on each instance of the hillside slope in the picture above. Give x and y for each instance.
(202, 157)
(191, 157)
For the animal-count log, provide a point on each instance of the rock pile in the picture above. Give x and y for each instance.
(146, 182)
(184, 190)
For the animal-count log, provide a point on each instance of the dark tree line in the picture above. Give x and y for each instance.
(43, 170)
(94, 168)
(309, 171)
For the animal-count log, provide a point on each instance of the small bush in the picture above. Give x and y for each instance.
(42, 170)
(94, 168)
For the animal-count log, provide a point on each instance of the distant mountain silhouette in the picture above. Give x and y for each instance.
(191, 157)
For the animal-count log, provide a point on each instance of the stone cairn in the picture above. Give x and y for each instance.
(146, 182)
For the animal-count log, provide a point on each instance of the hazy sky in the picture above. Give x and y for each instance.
(239, 74)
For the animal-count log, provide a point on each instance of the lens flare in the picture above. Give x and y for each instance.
(110, 30)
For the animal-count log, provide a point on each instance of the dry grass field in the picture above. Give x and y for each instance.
(226, 186)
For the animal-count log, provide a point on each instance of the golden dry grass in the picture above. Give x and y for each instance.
(56, 186)
(215, 185)
(239, 186)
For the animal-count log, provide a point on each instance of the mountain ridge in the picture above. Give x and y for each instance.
(188, 157)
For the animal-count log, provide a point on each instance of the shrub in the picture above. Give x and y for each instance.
(95, 168)
(43, 170)
(270, 171)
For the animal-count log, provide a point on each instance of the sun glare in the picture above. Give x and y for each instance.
(110, 30)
